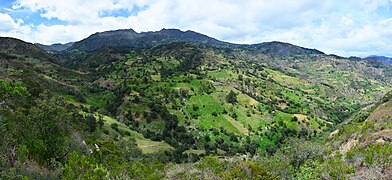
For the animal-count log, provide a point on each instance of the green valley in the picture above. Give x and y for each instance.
(181, 105)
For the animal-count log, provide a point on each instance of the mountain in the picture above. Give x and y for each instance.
(280, 49)
(37, 69)
(130, 38)
(383, 58)
(180, 105)
(55, 47)
(12, 46)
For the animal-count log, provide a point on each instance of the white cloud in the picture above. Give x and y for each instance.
(352, 27)
(13, 28)
(75, 11)
(7, 23)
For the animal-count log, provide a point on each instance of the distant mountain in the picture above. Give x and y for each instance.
(55, 47)
(276, 48)
(12, 46)
(130, 38)
(383, 58)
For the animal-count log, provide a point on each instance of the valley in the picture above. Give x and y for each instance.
(178, 105)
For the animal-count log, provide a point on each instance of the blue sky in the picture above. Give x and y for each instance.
(346, 28)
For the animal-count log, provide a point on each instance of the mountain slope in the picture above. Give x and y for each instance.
(366, 142)
(152, 104)
(300, 95)
(12, 46)
(55, 47)
(280, 49)
(130, 38)
(383, 58)
(25, 62)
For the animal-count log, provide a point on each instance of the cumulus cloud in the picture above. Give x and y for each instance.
(352, 27)
(7, 23)
(13, 28)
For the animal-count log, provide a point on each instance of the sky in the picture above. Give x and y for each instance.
(342, 27)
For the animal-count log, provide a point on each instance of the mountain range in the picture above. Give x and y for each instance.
(177, 105)
(383, 58)
(55, 47)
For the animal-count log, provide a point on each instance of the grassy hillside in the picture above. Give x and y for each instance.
(155, 111)
(178, 93)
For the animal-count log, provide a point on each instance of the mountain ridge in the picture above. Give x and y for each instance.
(132, 39)
(56, 47)
(19, 47)
(383, 58)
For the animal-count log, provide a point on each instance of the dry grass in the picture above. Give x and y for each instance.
(383, 112)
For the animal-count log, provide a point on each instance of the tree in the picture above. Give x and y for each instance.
(231, 97)
(114, 126)
(44, 128)
(91, 123)
(100, 121)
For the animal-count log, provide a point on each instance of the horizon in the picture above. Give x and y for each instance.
(351, 28)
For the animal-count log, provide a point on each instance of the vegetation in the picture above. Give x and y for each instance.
(175, 110)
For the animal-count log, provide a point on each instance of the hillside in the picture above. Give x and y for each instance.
(365, 142)
(55, 47)
(383, 58)
(167, 103)
(11, 46)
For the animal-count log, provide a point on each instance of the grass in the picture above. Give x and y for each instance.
(98, 100)
(206, 104)
(286, 118)
(240, 127)
(146, 145)
(301, 117)
(195, 151)
(222, 75)
(208, 122)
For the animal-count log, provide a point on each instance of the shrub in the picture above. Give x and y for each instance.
(114, 126)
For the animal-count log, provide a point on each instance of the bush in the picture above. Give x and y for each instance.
(231, 97)
(114, 126)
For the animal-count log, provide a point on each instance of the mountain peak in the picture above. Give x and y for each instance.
(130, 38)
(171, 30)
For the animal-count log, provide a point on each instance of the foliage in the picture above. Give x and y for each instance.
(231, 97)
(8, 89)
(183, 111)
